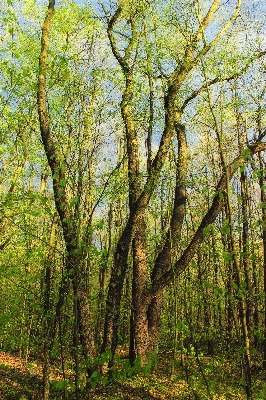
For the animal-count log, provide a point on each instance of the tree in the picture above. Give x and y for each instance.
(193, 49)
(131, 155)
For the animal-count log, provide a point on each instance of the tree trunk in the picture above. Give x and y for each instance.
(69, 217)
(139, 327)
(241, 301)
(48, 339)
(263, 199)
(149, 307)
(169, 252)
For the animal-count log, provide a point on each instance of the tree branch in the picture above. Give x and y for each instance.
(110, 33)
(207, 19)
(208, 46)
(215, 208)
(44, 119)
(195, 93)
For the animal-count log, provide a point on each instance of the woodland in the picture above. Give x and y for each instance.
(133, 199)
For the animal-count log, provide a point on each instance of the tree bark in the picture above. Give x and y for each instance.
(162, 275)
(263, 212)
(163, 262)
(69, 217)
(48, 338)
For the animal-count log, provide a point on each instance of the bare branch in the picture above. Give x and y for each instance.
(223, 31)
(195, 93)
(207, 19)
(110, 33)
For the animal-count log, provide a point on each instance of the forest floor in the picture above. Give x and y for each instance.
(211, 378)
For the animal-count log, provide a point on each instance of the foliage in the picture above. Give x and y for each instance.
(114, 232)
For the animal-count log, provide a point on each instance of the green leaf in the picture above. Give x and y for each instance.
(73, 201)
(60, 385)
(137, 364)
(146, 370)
(100, 224)
(94, 374)
(227, 256)
(224, 230)
(207, 229)
(63, 182)
(246, 153)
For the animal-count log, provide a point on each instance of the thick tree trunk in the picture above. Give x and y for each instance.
(83, 328)
(263, 212)
(148, 308)
(139, 327)
(171, 247)
(139, 198)
(86, 328)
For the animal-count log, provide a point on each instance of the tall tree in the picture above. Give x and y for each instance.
(138, 151)
(127, 20)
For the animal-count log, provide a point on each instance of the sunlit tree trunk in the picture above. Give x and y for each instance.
(171, 247)
(161, 274)
(68, 207)
(47, 313)
(263, 212)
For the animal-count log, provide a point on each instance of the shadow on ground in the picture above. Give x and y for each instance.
(18, 385)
